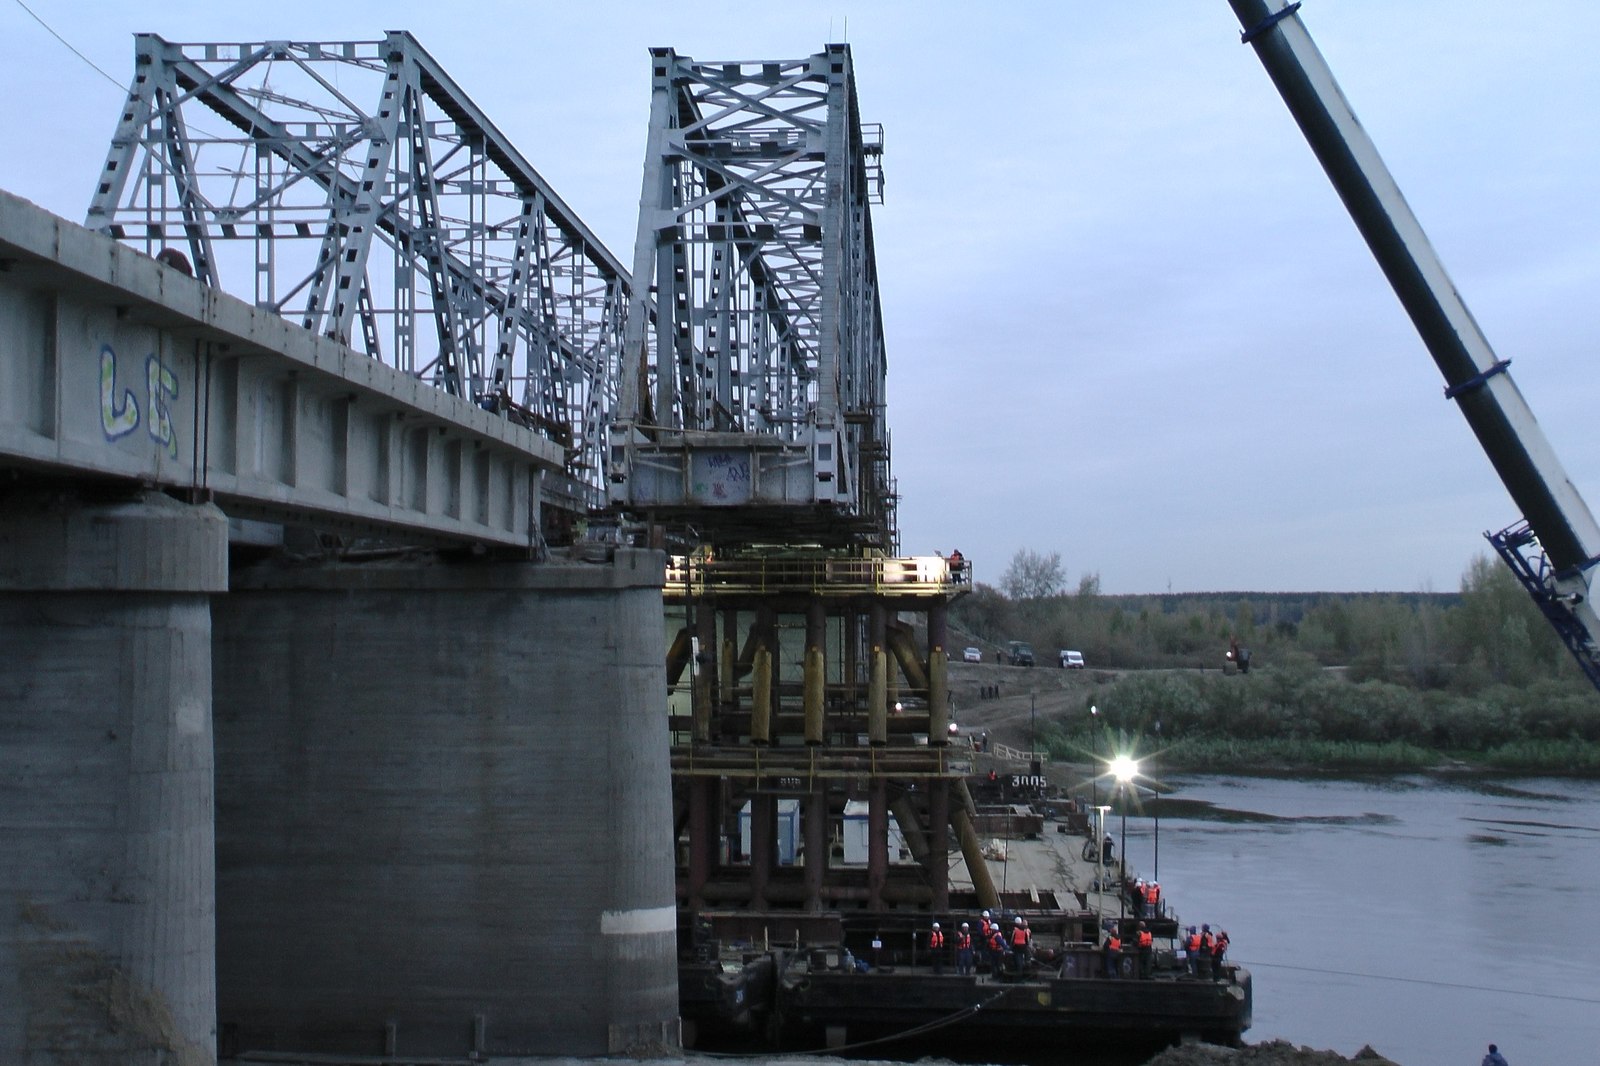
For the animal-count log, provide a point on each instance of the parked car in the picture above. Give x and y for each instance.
(972, 655)
(1019, 653)
(1071, 660)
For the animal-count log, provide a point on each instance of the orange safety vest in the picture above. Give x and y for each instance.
(1221, 946)
(1193, 943)
(936, 939)
(1019, 937)
(1145, 939)
(1152, 892)
(963, 941)
(1113, 942)
(1207, 942)
(985, 927)
(996, 941)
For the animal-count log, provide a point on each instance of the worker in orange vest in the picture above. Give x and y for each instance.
(1191, 950)
(1147, 950)
(1113, 951)
(1218, 951)
(996, 944)
(1152, 899)
(1020, 940)
(964, 949)
(1208, 944)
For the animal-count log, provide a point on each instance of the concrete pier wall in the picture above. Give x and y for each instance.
(106, 893)
(444, 816)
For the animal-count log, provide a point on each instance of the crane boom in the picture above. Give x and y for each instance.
(1554, 548)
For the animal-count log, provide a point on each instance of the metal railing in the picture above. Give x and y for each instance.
(831, 574)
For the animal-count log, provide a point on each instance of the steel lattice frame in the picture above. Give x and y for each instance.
(354, 187)
(755, 234)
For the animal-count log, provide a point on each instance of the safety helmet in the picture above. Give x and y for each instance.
(964, 925)
(986, 914)
(936, 925)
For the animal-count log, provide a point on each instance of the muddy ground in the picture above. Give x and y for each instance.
(1272, 1053)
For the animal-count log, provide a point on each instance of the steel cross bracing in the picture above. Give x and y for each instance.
(353, 187)
(755, 399)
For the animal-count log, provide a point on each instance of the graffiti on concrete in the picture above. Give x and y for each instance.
(120, 416)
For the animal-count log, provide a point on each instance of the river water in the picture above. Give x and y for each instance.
(1426, 916)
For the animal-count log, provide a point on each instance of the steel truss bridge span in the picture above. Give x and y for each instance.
(754, 400)
(354, 188)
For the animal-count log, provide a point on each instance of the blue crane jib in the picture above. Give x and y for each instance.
(753, 400)
(1555, 548)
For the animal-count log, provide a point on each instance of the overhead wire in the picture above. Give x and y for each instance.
(1459, 986)
(121, 87)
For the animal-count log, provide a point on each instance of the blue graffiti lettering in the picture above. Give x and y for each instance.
(115, 421)
(162, 386)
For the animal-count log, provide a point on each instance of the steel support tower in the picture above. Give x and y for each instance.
(355, 188)
(815, 787)
(756, 396)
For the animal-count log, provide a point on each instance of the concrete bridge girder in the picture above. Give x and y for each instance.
(124, 367)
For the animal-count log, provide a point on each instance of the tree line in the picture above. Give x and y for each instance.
(1378, 680)
(1490, 632)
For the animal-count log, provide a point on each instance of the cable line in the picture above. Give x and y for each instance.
(1419, 981)
(51, 30)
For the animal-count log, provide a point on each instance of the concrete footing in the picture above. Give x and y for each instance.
(444, 818)
(106, 902)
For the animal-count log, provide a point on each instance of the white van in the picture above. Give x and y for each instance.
(1071, 660)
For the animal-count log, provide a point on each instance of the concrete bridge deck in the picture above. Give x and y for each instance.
(118, 366)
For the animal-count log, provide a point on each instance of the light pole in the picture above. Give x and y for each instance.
(1124, 769)
(1033, 747)
(1155, 811)
(1100, 868)
(1094, 758)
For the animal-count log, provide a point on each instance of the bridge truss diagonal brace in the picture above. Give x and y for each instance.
(350, 182)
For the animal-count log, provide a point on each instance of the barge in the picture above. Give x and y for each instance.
(779, 980)
(827, 815)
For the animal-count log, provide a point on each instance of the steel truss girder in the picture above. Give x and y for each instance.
(755, 230)
(353, 186)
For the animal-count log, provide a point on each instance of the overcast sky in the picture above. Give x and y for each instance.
(1128, 319)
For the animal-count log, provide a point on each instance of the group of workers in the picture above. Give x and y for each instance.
(1141, 939)
(1204, 951)
(998, 947)
(1145, 897)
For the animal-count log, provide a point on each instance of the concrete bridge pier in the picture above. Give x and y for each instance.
(444, 809)
(107, 919)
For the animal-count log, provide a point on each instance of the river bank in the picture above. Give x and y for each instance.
(1276, 722)
(1271, 1053)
